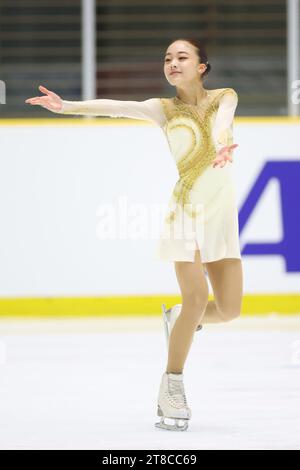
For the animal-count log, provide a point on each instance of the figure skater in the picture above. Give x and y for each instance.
(200, 230)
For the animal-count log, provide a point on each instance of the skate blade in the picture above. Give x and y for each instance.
(166, 317)
(165, 312)
(173, 427)
(166, 321)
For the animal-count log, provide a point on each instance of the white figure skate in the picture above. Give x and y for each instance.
(170, 316)
(172, 403)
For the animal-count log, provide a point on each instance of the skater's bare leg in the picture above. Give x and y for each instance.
(226, 278)
(212, 314)
(194, 291)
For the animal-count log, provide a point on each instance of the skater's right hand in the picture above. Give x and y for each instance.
(51, 101)
(224, 155)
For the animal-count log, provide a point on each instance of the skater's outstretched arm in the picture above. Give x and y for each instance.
(149, 109)
(223, 128)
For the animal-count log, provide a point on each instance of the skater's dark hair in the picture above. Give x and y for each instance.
(200, 50)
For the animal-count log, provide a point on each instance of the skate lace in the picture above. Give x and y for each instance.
(176, 393)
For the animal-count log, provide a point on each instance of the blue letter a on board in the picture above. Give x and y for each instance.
(287, 172)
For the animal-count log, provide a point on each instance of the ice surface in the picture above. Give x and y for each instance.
(93, 384)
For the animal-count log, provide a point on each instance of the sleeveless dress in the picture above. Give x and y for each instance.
(202, 211)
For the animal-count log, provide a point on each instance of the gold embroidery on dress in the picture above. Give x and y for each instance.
(202, 152)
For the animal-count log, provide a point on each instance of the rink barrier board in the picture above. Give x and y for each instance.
(107, 306)
(252, 304)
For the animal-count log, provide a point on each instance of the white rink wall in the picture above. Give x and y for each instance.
(57, 178)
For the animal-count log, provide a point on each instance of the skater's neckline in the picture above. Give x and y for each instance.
(208, 94)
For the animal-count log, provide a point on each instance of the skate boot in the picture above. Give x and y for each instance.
(172, 403)
(170, 316)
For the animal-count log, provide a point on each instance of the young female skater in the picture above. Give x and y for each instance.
(200, 231)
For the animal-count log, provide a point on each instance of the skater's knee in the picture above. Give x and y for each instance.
(229, 313)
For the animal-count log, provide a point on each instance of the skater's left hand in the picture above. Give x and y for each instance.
(224, 155)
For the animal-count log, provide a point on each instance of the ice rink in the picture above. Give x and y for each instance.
(93, 384)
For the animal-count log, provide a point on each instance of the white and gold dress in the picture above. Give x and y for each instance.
(202, 211)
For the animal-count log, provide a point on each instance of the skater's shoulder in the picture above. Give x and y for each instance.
(225, 92)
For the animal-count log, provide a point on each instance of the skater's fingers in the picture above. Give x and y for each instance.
(48, 92)
(233, 146)
(44, 89)
(219, 158)
(228, 148)
(222, 150)
(37, 100)
(224, 155)
(33, 102)
(229, 154)
(31, 99)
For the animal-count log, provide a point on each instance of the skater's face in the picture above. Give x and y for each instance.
(182, 57)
